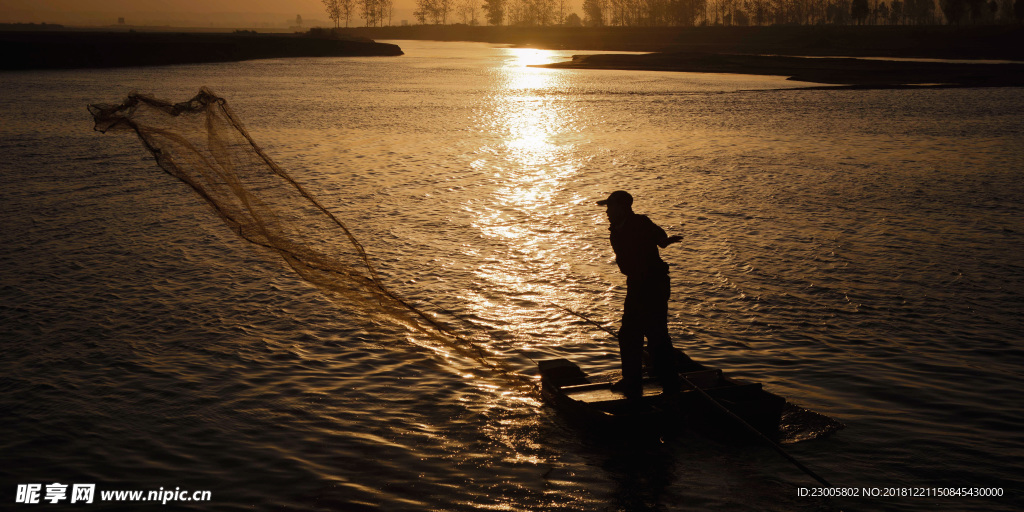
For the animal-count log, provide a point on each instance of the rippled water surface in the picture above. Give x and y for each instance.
(859, 252)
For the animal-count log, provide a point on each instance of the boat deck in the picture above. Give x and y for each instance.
(704, 391)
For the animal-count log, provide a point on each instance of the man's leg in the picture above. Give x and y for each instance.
(659, 343)
(631, 344)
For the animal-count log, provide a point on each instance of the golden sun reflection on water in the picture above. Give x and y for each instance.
(521, 58)
(532, 154)
(529, 129)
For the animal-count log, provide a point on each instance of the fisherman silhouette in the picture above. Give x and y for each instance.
(635, 240)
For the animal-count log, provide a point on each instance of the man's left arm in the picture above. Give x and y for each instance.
(661, 238)
(669, 240)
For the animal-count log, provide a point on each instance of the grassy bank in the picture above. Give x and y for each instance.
(57, 50)
(973, 42)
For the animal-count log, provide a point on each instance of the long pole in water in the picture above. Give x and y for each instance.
(585, 318)
(721, 408)
(756, 432)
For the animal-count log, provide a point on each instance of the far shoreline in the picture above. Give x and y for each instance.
(833, 56)
(976, 42)
(71, 49)
(769, 50)
(830, 72)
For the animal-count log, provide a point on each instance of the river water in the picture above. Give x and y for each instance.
(859, 252)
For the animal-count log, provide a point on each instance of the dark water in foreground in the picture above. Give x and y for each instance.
(859, 252)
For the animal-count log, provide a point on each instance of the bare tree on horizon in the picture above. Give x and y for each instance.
(334, 11)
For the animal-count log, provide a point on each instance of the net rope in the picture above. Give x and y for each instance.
(202, 143)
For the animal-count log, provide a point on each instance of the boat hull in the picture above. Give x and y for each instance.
(705, 396)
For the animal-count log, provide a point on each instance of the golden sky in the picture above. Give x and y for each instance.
(196, 12)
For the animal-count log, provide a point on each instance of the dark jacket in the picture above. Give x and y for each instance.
(635, 241)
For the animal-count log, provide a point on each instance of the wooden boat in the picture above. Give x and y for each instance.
(708, 398)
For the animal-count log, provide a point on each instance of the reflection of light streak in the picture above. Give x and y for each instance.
(533, 164)
(529, 118)
(531, 123)
(529, 57)
(518, 76)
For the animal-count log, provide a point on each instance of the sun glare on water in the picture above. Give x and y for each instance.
(529, 149)
(520, 76)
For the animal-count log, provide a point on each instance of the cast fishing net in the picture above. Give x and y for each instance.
(202, 143)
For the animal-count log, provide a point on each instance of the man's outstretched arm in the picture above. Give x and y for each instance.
(669, 241)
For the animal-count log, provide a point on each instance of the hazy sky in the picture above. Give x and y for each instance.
(197, 12)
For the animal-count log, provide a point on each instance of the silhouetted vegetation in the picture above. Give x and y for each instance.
(376, 13)
(687, 13)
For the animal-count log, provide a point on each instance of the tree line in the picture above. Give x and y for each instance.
(377, 13)
(684, 13)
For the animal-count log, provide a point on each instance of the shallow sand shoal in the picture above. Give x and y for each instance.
(833, 71)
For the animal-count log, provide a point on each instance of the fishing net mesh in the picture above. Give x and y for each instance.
(201, 142)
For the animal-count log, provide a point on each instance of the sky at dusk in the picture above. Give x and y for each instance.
(198, 13)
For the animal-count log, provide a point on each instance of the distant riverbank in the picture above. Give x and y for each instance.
(1002, 42)
(773, 50)
(66, 49)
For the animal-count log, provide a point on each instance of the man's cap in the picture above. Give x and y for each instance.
(618, 197)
